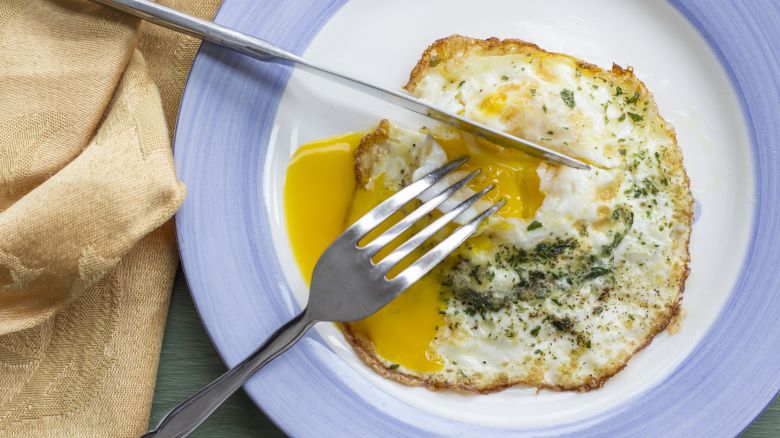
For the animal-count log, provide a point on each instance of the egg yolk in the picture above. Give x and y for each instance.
(322, 199)
(494, 104)
(403, 330)
(513, 172)
(318, 191)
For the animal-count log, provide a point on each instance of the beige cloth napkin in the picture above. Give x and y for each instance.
(88, 99)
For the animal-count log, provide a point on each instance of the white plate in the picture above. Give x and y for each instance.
(666, 53)
(241, 121)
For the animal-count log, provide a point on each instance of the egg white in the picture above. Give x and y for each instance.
(563, 303)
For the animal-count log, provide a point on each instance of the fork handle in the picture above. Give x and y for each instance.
(189, 414)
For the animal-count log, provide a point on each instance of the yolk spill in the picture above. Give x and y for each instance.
(321, 200)
(318, 191)
(403, 330)
(512, 171)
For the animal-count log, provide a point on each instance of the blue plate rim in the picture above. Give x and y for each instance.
(706, 18)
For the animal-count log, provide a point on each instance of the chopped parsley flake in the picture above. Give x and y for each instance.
(568, 98)
(534, 225)
(562, 324)
(547, 251)
(635, 117)
(595, 272)
(535, 330)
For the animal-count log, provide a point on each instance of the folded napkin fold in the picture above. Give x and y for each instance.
(88, 99)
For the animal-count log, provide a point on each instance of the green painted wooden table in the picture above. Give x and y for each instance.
(189, 361)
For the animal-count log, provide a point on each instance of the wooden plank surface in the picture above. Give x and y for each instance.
(189, 361)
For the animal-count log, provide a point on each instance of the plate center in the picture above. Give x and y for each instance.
(381, 42)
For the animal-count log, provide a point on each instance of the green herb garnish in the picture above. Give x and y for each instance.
(563, 324)
(635, 117)
(595, 272)
(568, 98)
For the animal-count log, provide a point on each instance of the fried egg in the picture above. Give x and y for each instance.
(580, 269)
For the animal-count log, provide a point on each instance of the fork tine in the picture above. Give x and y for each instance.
(429, 260)
(388, 236)
(410, 245)
(390, 205)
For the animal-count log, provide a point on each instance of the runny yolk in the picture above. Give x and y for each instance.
(318, 191)
(403, 330)
(512, 171)
(321, 200)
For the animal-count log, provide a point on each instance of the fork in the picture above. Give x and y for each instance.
(347, 285)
